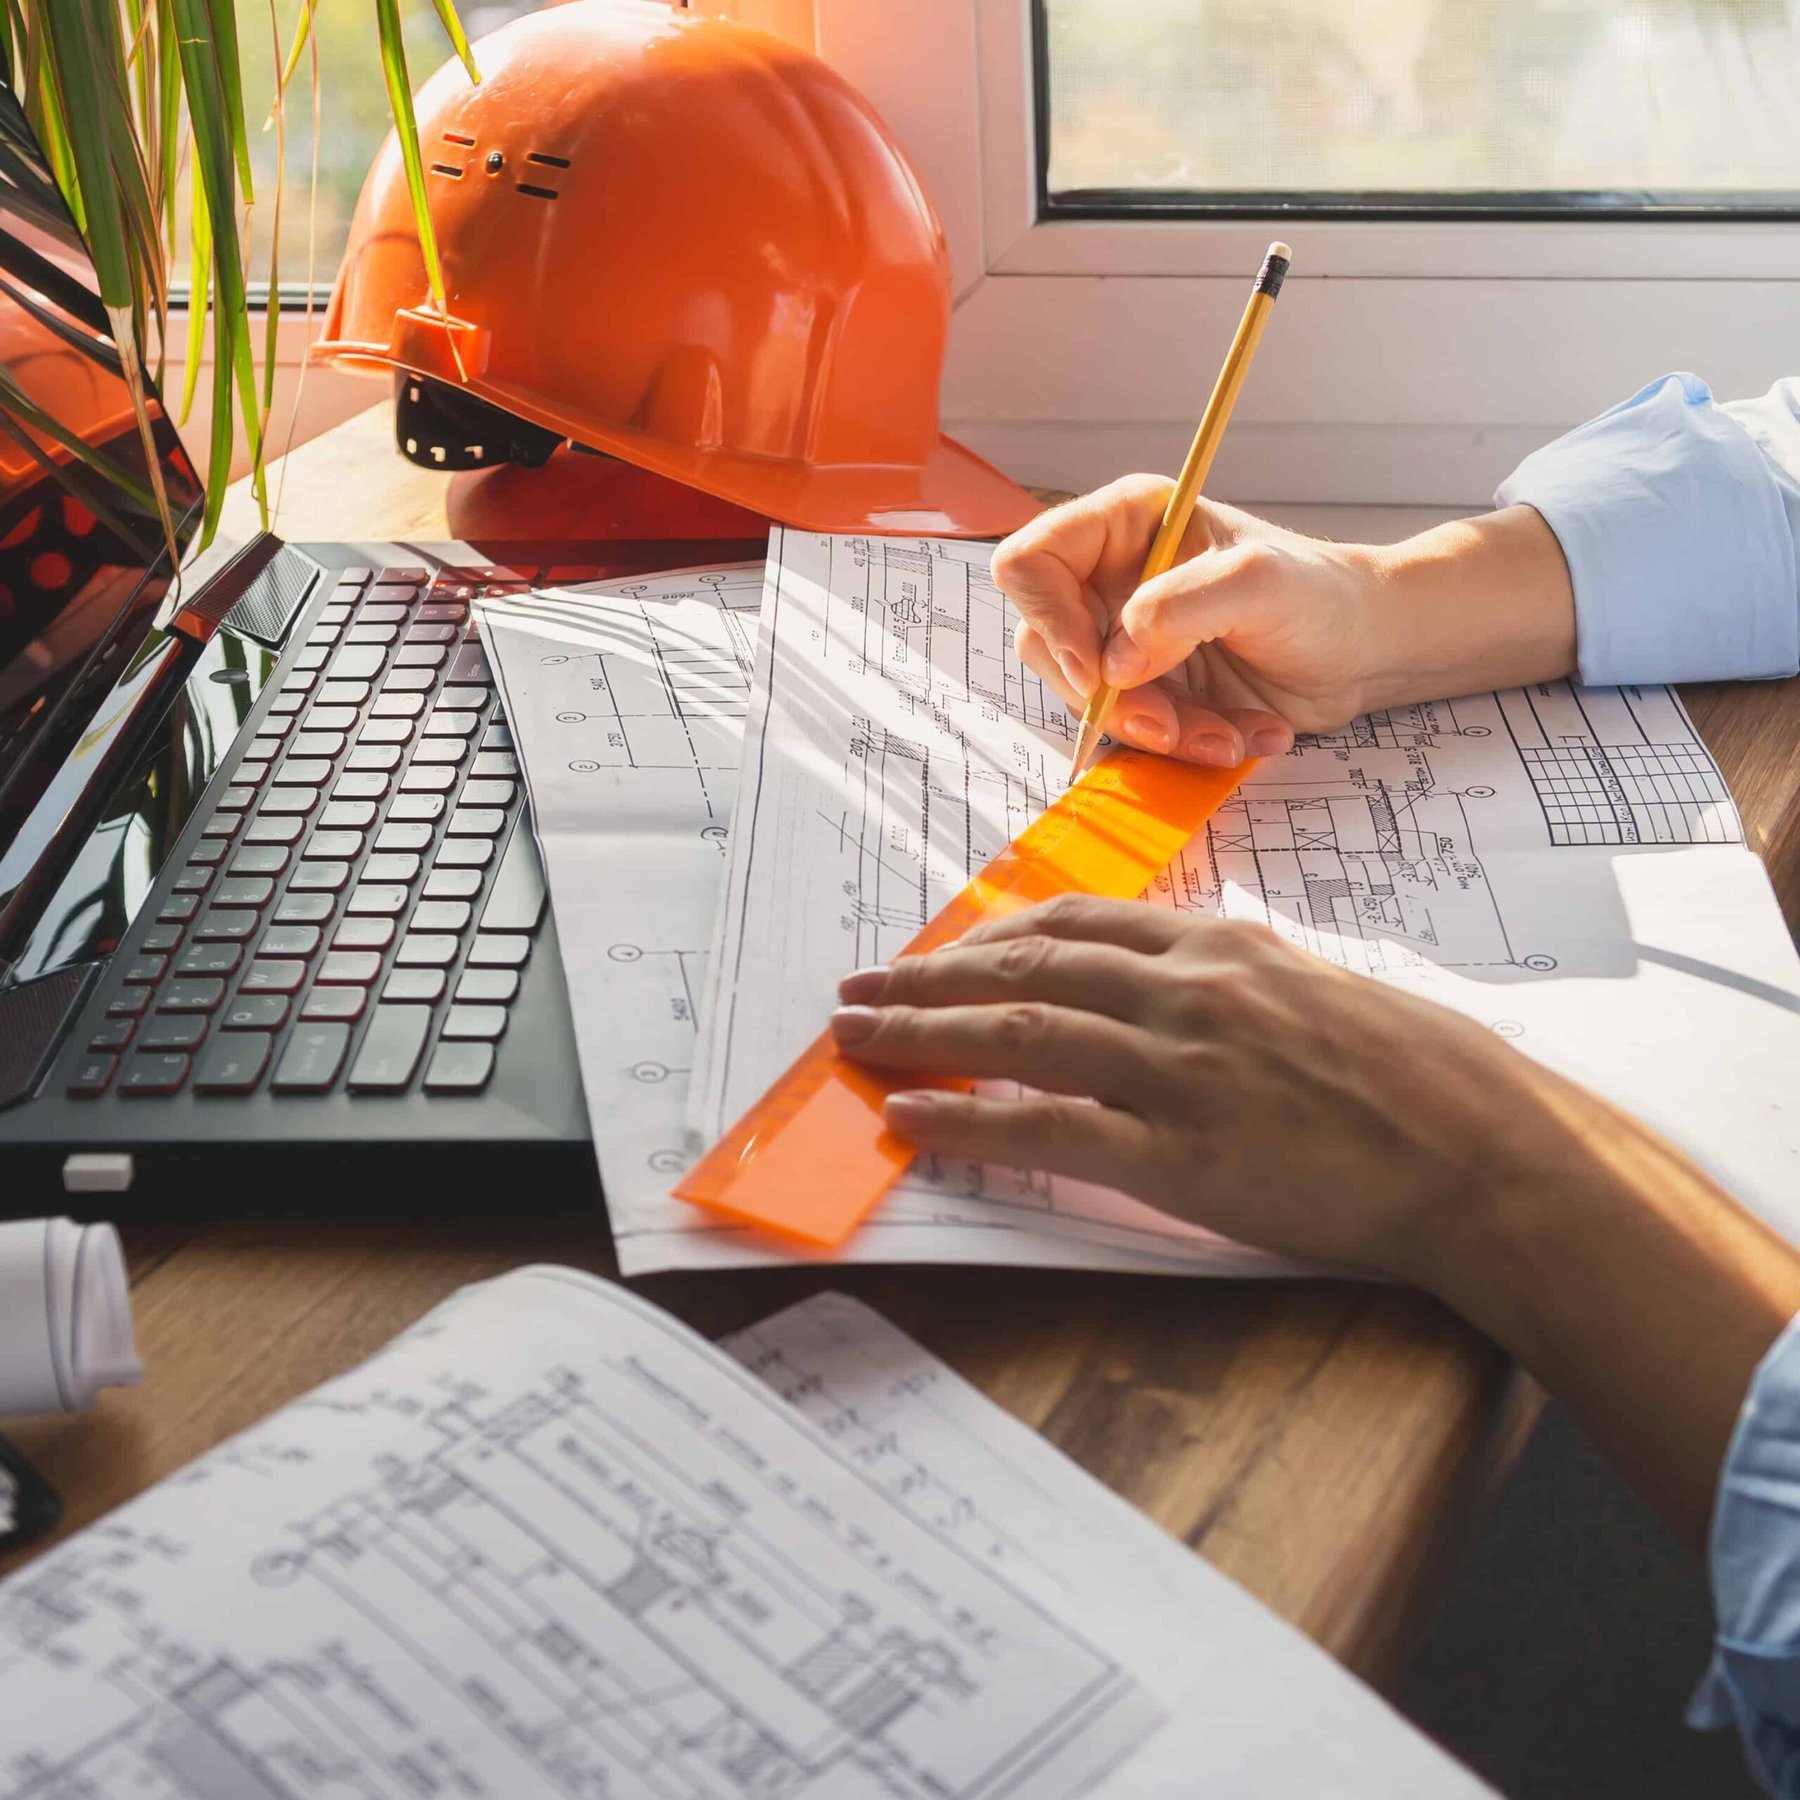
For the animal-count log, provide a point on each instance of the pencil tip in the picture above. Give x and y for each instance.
(1084, 751)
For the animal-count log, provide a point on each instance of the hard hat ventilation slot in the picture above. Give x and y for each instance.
(538, 193)
(549, 162)
(449, 169)
(459, 137)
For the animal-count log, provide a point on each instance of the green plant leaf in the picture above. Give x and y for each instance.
(406, 128)
(200, 267)
(459, 41)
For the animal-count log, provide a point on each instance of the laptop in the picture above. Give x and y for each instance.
(267, 873)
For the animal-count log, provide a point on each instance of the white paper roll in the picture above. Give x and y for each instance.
(65, 1316)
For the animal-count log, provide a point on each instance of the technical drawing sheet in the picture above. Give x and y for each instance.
(626, 699)
(1564, 865)
(550, 1543)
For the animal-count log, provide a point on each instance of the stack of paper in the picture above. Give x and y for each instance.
(1564, 865)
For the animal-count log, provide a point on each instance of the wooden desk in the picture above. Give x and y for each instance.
(1326, 1444)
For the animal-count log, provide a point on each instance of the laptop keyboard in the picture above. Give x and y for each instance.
(364, 894)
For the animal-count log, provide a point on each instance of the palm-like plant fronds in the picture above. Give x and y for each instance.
(123, 93)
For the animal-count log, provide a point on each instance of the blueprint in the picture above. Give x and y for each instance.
(627, 700)
(549, 1543)
(1565, 865)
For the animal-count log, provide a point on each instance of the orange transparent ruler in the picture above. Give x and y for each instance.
(812, 1159)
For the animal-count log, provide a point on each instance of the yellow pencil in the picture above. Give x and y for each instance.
(1193, 472)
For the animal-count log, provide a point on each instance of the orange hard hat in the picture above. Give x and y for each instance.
(686, 243)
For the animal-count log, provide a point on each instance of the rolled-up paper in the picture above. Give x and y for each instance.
(65, 1316)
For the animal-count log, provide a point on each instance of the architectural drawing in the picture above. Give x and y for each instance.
(545, 1544)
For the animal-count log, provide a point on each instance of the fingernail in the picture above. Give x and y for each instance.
(1208, 747)
(1267, 740)
(1077, 671)
(863, 984)
(851, 1024)
(1150, 731)
(908, 1110)
(1122, 663)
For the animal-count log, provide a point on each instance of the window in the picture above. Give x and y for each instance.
(1536, 108)
(353, 119)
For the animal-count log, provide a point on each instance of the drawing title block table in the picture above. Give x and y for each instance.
(1324, 1443)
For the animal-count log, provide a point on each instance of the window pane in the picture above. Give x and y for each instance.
(1553, 102)
(353, 118)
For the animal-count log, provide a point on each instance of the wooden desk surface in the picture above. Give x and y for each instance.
(1324, 1443)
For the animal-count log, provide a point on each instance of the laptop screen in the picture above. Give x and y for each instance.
(84, 559)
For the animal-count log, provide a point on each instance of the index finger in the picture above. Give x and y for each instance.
(1129, 924)
(1071, 569)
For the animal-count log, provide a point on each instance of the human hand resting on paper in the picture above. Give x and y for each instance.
(1241, 1084)
(1258, 632)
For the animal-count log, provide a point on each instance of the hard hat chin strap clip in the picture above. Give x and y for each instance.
(443, 427)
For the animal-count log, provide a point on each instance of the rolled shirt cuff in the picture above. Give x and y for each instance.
(1678, 537)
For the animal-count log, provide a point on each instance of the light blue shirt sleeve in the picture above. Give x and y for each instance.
(1680, 521)
(1754, 1680)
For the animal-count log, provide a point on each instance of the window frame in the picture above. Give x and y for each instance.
(1397, 369)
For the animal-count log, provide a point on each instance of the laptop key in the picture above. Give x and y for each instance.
(212, 851)
(311, 657)
(382, 757)
(414, 984)
(244, 890)
(362, 786)
(440, 750)
(357, 575)
(381, 612)
(336, 612)
(145, 971)
(417, 807)
(367, 630)
(195, 879)
(160, 937)
(481, 1022)
(498, 736)
(266, 830)
(356, 968)
(495, 762)
(461, 699)
(289, 800)
(311, 1059)
(201, 995)
(405, 574)
(178, 908)
(209, 959)
(494, 987)
(227, 922)
(235, 799)
(263, 859)
(426, 949)
(443, 612)
(315, 741)
(432, 634)
(298, 682)
(441, 915)
(397, 706)
(377, 898)
(329, 722)
(300, 771)
(147, 1073)
(465, 853)
(343, 845)
(459, 1068)
(452, 724)
(418, 780)
(335, 1003)
(342, 693)
(364, 934)
(498, 950)
(392, 866)
(220, 825)
(172, 1031)
(273, 976)
(289, 940)
(91, 1075)
(452, 884)
(286, 703)
(471, 664)
(320, 877)
(256, 1012)
(111, 1034)
(386, 731)
(357, 662)
(347, 815)
(488, 793)
(233, 1063)
(248, 774)
(415, 668)
(392, 1043)
(403, 837)
(304, 909)
(476, 821)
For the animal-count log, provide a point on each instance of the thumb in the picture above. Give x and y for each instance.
(1194, 603)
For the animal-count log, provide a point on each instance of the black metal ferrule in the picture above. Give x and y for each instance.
(1274, 272)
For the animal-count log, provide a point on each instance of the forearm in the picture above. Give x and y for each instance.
(1634, 1288)
(1478, 603)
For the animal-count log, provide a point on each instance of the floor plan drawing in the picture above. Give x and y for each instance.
(584, 1558)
